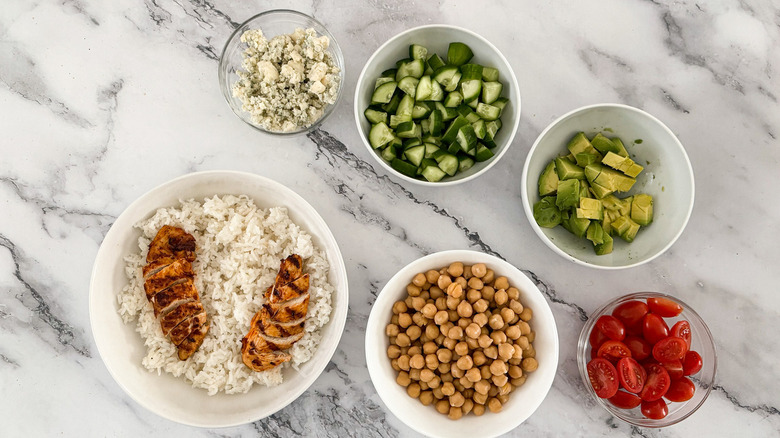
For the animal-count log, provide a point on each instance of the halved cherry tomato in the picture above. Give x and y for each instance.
(680, 390)
(594, 353)
(664, 307)
(670, 349)
(611, 327)
(655, 410)
(625, 400)
(682, 329)
(614, 351)
(674, 368)
(630, 312)
(654, 328)
(632, 376)
(692, 363)
(634, 330)
(657, 383)
(640, 349)
(596, 338)
(603, 377)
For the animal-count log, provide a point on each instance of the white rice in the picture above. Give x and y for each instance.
(239, 247)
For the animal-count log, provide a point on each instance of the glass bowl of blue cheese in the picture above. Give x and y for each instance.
(282, 72)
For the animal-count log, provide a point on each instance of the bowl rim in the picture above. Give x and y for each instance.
(338, 323)
(375, 320)
(490, 163)
(583, 344)
(528, 208)
(330, 109)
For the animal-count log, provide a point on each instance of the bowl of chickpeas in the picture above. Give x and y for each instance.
(461, 343)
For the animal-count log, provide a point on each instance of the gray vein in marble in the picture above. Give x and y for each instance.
(9, 361)
(79, 7)
(337, 149)
(65, 333)
(675, 104)
(769, 410)
(23, 80)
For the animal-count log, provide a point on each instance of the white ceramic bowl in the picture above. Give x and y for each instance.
(122, 349)
(668, 177)
(424, 419)
(436, 38)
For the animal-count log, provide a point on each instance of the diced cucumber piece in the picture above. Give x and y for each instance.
(420, 110)
(473, 104)
(432, 139)
(425, 124)
(427, 162)
(411, 142)
(389, 73)
(489, 74)
(401, 62)
(491, 91)
(430, 148)
(471, 89)
(375, 116)
(464, 163)
(414, 68)
(428, 70)
(500, 103)
(417, 51)
(492, 128)
(452, 130)
(488, 112)
(406, 130)
(396, 120)
(436, 123)
(448, 163)
(447, 113)
(454, 99)
(437, 93)
(408, 85)
(448, 77)
(424, 89)
(380, 135)
(392, 106)
(466, 138)
(384, 93)
(406, 106)
(470, 71)
(405, 168)
(381, 80)
(415, 154)
(483, 154)
(454, 148)
(397, 143)
(433, 173)
(435, 62)
(388, 153)
(459, 54)
(480, 128)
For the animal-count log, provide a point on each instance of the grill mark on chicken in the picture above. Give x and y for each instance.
(289, 269)
(170, 289)
(261, 361)
(263, 321)
(291, 290)
(290, 310)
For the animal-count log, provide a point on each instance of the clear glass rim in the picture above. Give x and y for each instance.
(582, 345)
(222, 70)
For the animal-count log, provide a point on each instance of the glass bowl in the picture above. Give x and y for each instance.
(273, 23)
(701, 342)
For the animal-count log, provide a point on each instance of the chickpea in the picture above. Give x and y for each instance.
(468, 405)
(452, 303)
(414, 374)
(501, 297)
(513, 332)
(429, 347)
(439, 339)
(444, 282)
(488, 292)
(473, 375)
(515, 305)
(393, 352)
(392, 330)
(480, 319)
(498, 367)
(496, 322)
(403, 379)
(465, 363)
(429, 310)
(518, 381)
(507, 314)
(503, 398)
(414, 349)
(518, 355)
(523, 342)
(472, 295)
(432, 332)
(475, 283)
(444, 355)
(419, 280)
(485, 371)
(426, 398)
(408, 301)
(394, 364)
(480, 305)
(505, 389)
(479, 270)
(529, 352)
(498, 337)
(525, 328)
(529, 364)
(462, 282)
(485, 341)
(455, 333)
(413, 390)
(465, 383)
(489, 276)
(447, 388)
(413, 290)
(506, 351)
(399, 307)
(526, 314)
(425, 294)
(455, 269)
(419, 319)
(438, 395)
(467, 274)
(417, 361)
(500, 380)
(494, 405)
(515, 372)
(414, 332)
(457, 400)
(444, 370)
(435, 292)
(456, 372)
(473, 331)
(501, 283)
(458, 386)
(426, 375)
(513, 293)
(478, 410)
(418, 303)
(404, 320)
(435, 382)
(403, 340)
(479, 358)
(441, 317)
(480, 399)
(461, 349)
(394, 320)
(453, 314)
(443, 406)
(491, 352)
(431, 361)
(455, 413)
(472, 343)
(450, 343)
(531, 336)
(465, 310)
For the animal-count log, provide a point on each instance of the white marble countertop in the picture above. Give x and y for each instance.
(101, 101)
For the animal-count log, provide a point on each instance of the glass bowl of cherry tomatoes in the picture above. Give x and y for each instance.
(647, 358)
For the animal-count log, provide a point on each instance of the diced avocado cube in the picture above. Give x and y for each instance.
(625, 228)
(595, 233)
(579, 226)
(592, 172)
(615, 161)
(584, 158)
(610, 202)
(621, 148)
(565, 218)
(584, 189)
(606, 222)
(580, 143)
(634, 170)
(546, 213)
(642, 209)
(620, 224)
(603, 144)
(590, 209)
(599, 191)
(614, 180)
(591, 204)
(605, 247)
(568, 194)
(624, 208)
(568, 170)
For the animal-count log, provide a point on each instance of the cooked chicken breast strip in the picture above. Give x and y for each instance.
(172, 242)
(290, 290)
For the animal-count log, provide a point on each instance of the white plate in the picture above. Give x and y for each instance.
(424, 419)
(122, 349)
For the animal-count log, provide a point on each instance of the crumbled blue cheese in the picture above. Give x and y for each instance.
(286, 81)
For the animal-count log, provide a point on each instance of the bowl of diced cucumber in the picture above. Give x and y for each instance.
(437, 105)
(608, 186)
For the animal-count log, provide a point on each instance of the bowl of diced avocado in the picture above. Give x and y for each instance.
(608, 186)
(437, 105)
